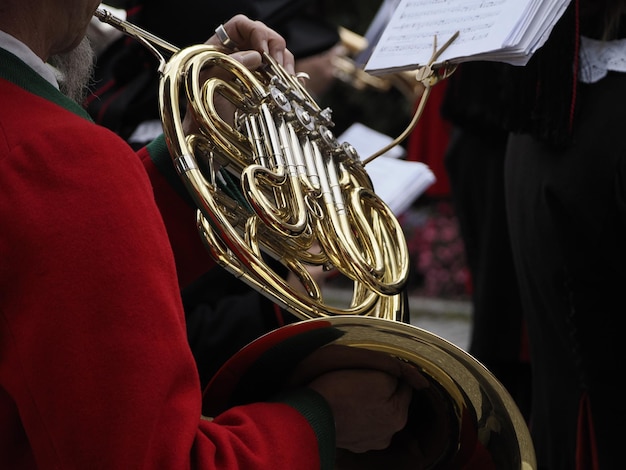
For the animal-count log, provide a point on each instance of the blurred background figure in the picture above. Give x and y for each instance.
(548, 139)
(564, 179)
(474, 162)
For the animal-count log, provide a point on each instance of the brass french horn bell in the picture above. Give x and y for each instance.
(465, 419)
(274, 187)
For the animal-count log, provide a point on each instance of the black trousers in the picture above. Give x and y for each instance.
(475, 165)
(567, 219)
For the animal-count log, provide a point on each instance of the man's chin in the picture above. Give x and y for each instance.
(75, 70)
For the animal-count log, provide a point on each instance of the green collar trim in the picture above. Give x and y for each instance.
(17, 72)
(160, 156)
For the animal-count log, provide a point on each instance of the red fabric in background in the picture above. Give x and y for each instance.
(429, 140)
(586, 446)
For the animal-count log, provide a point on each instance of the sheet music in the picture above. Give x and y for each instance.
(399, 182)
(375, 30)
(503, 30)
(368, 141)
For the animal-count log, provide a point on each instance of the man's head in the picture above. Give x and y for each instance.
(55, 31)
(48, 27)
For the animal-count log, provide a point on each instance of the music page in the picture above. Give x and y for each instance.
(418, 26)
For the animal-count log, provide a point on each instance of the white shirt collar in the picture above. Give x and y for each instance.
(22, 51)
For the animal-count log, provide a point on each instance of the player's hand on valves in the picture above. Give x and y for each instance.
(244, 40)
(369, 393)
(240, 33)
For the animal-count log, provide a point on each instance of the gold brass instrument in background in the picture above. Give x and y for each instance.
(346, 70)
(273, 186)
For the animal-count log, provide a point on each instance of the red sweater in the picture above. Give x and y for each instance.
(95, 369)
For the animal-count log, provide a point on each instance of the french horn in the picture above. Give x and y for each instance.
(276, 192)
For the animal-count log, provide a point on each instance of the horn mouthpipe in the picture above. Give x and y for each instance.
(130, 29)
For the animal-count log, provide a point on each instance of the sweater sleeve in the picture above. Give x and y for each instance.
(178, 212)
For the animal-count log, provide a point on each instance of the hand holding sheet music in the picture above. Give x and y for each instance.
(495, 30)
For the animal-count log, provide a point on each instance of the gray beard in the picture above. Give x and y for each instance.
(75, 70)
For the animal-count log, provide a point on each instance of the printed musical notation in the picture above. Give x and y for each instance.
(503, 30)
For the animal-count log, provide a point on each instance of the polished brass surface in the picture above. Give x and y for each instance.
(277, 192)
(480, 412)
(465, 419)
